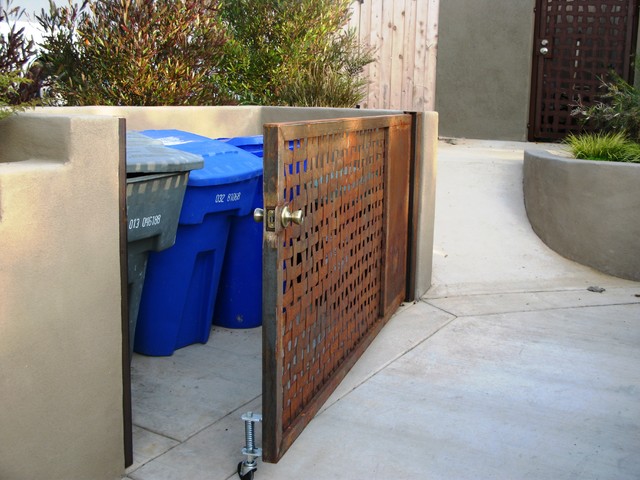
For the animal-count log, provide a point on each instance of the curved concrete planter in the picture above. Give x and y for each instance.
(585, 210)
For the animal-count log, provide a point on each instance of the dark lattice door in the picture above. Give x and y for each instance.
(576, 44)
(331, 282)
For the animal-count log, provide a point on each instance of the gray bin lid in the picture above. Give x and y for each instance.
(146, 155)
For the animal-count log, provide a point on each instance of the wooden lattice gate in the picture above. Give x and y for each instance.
(576, 44)
(332, 281)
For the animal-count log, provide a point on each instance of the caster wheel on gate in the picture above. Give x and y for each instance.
(246, 476)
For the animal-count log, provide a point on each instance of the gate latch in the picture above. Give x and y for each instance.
(258, 216)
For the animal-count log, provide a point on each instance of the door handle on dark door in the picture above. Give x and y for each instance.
(543, 49)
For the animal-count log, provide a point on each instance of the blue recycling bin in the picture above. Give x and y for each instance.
(239, 303)
(179, 295)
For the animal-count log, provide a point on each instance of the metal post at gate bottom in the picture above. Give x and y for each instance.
(247, 467)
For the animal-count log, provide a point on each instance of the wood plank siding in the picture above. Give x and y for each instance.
(404, 34)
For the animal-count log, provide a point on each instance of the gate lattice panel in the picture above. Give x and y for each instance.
(331, 282)
(578, 43)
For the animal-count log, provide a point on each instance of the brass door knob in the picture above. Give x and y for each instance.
(288, 217)
(258, 215)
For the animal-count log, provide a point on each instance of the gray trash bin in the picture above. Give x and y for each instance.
(156, 181)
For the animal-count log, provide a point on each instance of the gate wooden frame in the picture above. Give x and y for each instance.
(374, 158)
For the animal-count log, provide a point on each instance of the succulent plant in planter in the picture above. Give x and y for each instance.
(617, 117)
(604, 146)
(618, 109)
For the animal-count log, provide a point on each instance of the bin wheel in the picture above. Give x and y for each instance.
(246, 476)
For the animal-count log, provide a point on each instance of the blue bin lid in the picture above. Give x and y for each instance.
(243, 141)
(252, 144)
(145, 155)
(223, 163)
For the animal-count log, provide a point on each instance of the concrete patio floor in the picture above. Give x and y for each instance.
(509, 368)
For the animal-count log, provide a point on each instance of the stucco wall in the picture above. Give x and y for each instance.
(60, 299)
(586, 210)
(208, 121)
(484, 68)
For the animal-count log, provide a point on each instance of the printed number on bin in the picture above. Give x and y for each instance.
(228, 197)
(150, 221)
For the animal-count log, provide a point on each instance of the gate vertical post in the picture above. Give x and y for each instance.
(396, 210)
(271, 277)
(415, 191)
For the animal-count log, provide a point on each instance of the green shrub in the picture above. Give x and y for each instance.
(293, 52)
(612, 146)
(191, 52)
(17, 86)
(617, 110)
(134, 52)
(8, 84)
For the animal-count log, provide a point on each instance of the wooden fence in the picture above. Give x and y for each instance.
(405, 36)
